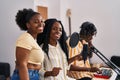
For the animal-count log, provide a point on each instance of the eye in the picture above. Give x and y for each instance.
(54, 28)
(36, 21)
(42, 21)
(57, 29)
(60, 29)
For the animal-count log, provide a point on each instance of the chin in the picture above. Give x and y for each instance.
(40, 31)
(57, 39)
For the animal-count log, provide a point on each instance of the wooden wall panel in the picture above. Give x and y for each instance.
(43, 11)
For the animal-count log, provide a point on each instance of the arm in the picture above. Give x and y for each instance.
(46, 73)
(55, 71)
(77, 57)
(21, 62)
(77, 68)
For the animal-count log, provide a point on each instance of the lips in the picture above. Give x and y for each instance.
(40, 29)
(57, 35)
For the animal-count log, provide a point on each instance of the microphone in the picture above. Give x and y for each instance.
(105, 60)
(85, 52)
(74, 39)
(92, 49)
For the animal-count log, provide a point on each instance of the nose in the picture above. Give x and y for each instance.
(41, 24)
(58, 31)
(90, 38)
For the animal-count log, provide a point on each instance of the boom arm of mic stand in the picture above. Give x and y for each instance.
(105, 60)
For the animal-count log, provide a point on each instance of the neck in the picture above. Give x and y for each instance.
(33, 35)
(53, 42)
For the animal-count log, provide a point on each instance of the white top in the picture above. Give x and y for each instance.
(57, 58)
(26, 41)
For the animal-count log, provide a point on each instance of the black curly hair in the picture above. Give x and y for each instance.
(87, 29)
(43, 38)
(23, 16)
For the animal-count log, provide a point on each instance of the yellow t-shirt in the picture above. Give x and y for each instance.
(28, 42)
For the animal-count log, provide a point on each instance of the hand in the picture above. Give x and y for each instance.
(95, 69)
(55, 71)
(90, 44)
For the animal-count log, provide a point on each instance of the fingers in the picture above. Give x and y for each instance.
(56, 71)
(95, 69)
(57, 68)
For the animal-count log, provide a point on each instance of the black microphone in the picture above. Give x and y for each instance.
(92, 49)
(74, 39)
(85, 52)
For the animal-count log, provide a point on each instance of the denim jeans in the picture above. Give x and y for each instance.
(33, 75)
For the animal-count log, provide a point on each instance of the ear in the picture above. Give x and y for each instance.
(28, 25)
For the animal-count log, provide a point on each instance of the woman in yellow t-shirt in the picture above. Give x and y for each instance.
(29, 55)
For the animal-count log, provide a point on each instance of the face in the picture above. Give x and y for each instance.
(36, 24)
(89, 38)
(56, 31)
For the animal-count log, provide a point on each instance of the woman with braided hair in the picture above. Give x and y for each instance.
(82, 68)
(29, 55)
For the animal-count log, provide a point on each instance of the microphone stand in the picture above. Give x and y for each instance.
(105, 60)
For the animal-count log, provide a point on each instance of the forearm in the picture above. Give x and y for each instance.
(77, 68)
(48, 73)
(23, 73)
(72, 59)
(77, 57)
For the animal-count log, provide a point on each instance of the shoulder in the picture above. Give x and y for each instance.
(67, 41)
(25, 37)
(25, 40)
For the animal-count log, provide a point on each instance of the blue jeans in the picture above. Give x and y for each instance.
(33, 75)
